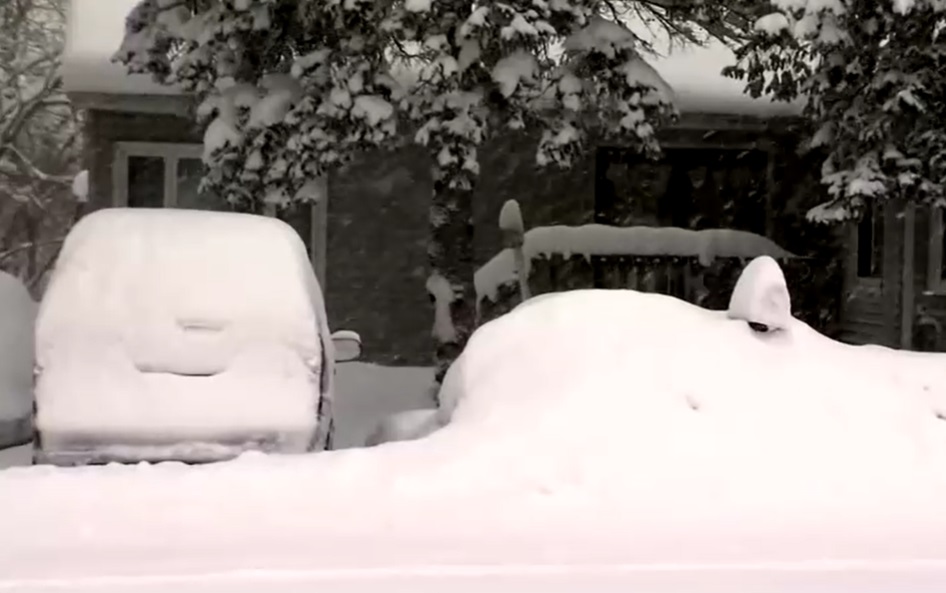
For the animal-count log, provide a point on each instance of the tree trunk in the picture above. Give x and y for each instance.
(450, 285)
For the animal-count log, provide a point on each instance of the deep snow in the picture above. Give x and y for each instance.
(592, 427)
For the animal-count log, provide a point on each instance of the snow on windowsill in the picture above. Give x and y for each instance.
(596, 239)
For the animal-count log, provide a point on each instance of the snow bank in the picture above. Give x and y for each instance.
(586, 428)
(595, 239)
(167, 326)
(94, 32)
(17, 315)
(405, 426)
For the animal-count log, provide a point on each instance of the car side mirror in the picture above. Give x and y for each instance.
(347, 345)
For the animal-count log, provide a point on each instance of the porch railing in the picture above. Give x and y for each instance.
(707, 282)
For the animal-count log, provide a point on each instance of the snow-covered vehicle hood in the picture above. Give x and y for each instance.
(598, 440)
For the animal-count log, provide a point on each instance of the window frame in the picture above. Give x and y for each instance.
(878, 218)
(935, 283)
(172, 153)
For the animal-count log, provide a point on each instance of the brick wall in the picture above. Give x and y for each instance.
(378, 229)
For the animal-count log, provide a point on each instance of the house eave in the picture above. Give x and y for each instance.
(143, 103)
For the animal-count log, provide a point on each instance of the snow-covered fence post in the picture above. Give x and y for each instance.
(513, 229)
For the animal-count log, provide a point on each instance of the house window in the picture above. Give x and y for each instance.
(936, 274)
(870, 242)
(168, 175)
(156, 175)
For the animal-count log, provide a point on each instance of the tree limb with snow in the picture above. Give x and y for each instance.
(39, 139)
(872, 77)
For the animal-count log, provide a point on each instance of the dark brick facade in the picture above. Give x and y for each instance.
(377, 221)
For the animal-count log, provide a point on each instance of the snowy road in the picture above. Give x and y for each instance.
(847, 577)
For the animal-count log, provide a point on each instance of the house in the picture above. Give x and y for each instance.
(895, 276)
(368, 238)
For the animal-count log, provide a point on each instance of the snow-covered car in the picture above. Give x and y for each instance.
(186, 335)
(17, 315)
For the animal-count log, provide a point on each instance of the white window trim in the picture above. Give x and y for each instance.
(934, 281)
(172, 153)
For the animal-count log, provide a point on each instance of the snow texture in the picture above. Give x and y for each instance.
(442, 293)
(514, 69)
(168, 327)
(594, 239)
(94, 32)
(761, 295)
(80, 186)
(510, 217)
(405, 426)
(788, 451)
(280, 93)
(17, 316)
(773, 24)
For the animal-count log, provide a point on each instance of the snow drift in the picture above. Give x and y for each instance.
(586, 427)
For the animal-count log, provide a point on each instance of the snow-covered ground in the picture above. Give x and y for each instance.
(625, 431)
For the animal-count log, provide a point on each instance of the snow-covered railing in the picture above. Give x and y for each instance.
(697, 266)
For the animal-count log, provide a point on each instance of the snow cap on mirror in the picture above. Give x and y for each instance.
(761, 296)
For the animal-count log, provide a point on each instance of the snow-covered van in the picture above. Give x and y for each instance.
(182, 335)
